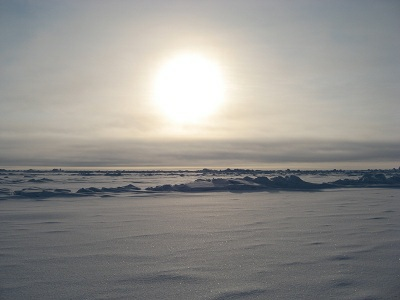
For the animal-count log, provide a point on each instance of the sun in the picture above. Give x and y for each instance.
(188, 88)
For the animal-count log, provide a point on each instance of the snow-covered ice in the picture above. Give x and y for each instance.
(118, 242)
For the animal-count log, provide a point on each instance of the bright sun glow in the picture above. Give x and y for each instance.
(188, 88)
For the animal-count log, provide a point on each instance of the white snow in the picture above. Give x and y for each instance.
(328, 244)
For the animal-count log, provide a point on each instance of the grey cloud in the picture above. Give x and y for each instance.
(195, 153)
(74, 81)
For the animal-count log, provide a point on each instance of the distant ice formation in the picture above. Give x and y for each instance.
(69, 184)
(369, 180)
(247, 183)
(42, 193)
(120, 189)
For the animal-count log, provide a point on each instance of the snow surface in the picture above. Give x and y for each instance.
(118, 242)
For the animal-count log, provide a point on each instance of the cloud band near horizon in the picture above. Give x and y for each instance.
(206, 153)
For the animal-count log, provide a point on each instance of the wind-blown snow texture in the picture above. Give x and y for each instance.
(231, 234)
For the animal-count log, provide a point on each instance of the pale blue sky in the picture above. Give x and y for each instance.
(310, 84)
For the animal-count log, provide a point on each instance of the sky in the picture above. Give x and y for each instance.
(308, 84)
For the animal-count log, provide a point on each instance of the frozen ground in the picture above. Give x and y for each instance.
(123, 243)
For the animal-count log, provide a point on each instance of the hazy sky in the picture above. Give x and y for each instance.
(310, 84)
